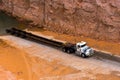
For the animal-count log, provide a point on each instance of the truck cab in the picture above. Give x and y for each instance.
(83, 50)
(79, 48)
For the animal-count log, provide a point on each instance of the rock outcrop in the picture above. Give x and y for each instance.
(99, 19)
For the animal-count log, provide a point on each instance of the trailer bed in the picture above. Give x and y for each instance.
(34, 37)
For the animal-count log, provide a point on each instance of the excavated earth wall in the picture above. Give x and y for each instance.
(99, 19)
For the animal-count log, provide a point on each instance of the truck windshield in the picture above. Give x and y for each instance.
(83, 45)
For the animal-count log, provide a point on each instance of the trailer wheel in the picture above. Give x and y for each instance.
(12, 33)
(17, 34)
(83, 55)
(23, 36)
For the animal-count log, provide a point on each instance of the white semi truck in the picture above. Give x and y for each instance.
(79, 48)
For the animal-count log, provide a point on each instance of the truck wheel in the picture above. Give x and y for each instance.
(69, 51)
(63, 49)
(83, 55)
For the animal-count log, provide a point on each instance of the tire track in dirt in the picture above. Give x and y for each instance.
(15, 53)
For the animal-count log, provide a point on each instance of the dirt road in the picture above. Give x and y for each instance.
(72, 67)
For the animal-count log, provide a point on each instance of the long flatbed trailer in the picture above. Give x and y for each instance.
(40, 39)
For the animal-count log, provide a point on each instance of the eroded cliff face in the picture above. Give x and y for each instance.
(99, 19)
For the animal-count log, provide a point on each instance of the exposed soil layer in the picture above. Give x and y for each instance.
(99, 19)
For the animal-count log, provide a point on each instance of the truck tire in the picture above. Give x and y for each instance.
(17, 34)
(83, 55)
(63, 49)
(68, 51)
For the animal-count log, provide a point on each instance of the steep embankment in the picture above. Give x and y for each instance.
(100, 18)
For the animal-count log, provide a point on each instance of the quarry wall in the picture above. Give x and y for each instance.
(99, 19)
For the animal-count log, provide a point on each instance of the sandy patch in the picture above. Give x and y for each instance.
(13, 60)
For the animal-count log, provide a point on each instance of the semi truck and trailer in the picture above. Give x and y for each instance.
(79, 48)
